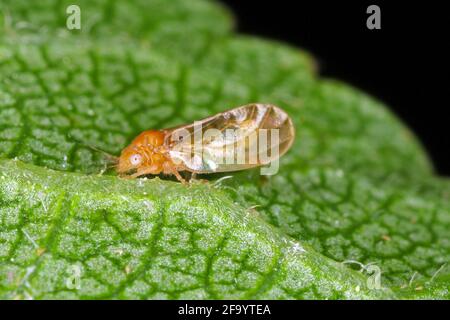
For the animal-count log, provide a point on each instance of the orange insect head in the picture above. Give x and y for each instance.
(144, 150)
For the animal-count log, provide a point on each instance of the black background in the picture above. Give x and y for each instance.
(280, 309)
(405, 64)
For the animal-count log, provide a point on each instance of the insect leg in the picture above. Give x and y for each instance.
(170, 169)
(179, 177)
(150, 170)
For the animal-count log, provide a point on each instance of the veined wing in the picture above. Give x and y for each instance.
(237, 139)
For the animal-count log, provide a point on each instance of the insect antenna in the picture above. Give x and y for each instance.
(112, 160)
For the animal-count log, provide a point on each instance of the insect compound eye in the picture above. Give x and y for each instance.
(135, 159)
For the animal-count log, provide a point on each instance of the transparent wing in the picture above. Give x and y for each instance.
(237, 139)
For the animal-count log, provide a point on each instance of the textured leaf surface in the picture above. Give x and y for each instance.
(355, 189)
(168, 26)
(151, 239)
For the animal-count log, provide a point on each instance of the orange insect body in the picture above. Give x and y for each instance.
(170, 151)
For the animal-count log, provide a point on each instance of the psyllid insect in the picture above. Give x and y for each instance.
(241, 138)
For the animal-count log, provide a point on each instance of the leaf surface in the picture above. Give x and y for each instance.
(355, 192)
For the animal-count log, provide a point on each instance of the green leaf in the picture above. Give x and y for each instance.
(170, 27)
(151, 239)
(355, 190)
